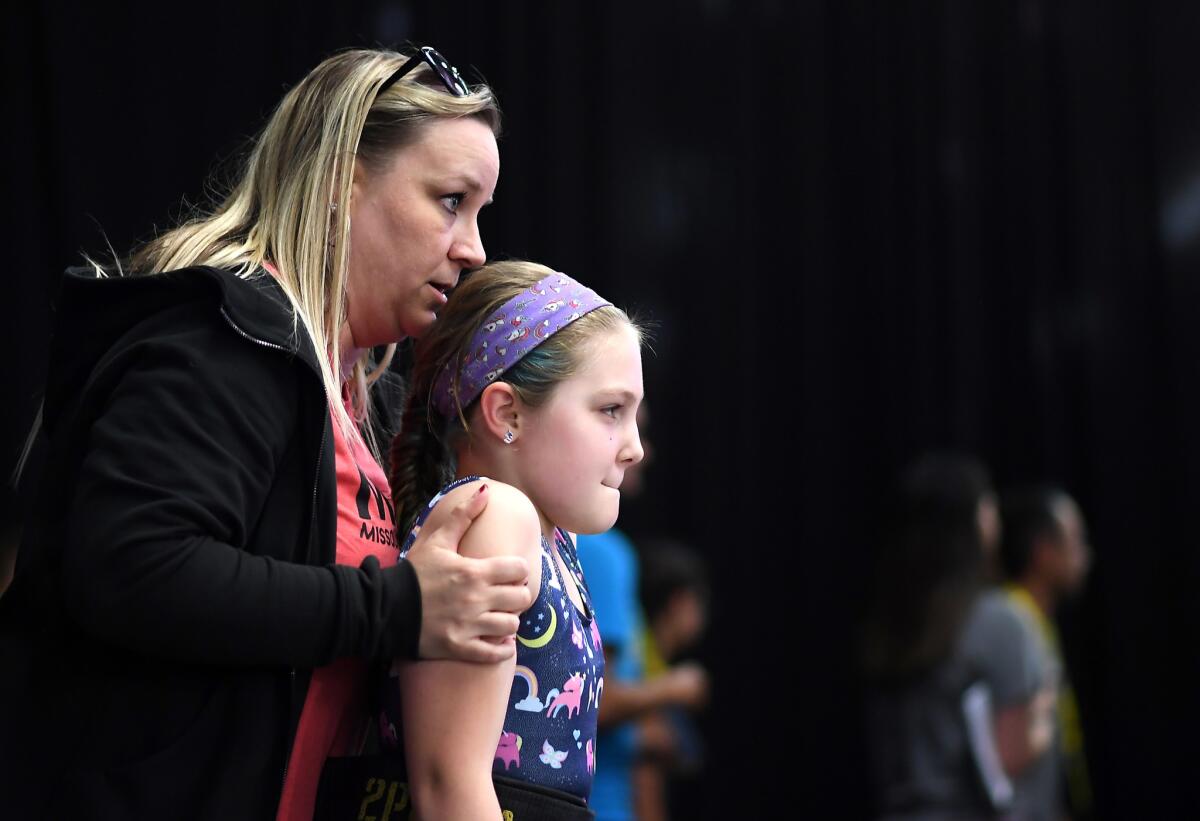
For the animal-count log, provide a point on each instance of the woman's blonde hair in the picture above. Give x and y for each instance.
(285, 206)
(422, 454)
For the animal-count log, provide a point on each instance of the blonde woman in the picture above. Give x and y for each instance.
(212, 565)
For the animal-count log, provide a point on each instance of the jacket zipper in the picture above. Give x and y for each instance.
(311, 529)
(253, 339)
(290, 739)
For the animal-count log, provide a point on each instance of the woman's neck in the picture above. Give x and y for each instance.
(348, 352)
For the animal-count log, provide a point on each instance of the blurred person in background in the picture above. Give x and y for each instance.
(1046, 557)
(958, 702)
(674, 596)
(611, 563)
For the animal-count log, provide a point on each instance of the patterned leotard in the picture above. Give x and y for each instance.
(549, 736)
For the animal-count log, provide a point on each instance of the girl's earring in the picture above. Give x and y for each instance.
(509, 436)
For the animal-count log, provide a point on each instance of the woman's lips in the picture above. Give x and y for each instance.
(440, 293)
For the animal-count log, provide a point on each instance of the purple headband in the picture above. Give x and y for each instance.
(520, 325)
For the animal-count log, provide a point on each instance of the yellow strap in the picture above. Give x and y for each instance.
(1070, 727)
(653, 664)
(1024, 600)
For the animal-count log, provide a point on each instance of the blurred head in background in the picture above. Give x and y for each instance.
(1045, 545)
(941, 533)
(673, 588)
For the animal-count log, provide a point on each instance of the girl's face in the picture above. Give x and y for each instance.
(414, 229)
(573, 451)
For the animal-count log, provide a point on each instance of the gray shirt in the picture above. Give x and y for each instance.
(1038, 790)
(922, 760)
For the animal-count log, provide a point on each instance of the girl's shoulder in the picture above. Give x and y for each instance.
(503, 499)
(509, 524)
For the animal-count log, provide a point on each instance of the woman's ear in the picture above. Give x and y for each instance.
(360, 179)
(500, 412)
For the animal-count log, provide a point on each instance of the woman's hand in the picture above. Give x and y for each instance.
(469, 607)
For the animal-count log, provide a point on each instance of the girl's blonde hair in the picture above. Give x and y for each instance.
(422, 455)
(286, 206)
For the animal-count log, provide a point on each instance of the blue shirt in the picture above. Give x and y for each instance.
(610, 561)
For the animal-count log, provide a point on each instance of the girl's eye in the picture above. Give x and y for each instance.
(451, 202)
(610, 410)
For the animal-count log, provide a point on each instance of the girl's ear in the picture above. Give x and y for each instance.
(500, 412)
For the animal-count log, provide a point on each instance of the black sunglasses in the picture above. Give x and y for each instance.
(432, 58)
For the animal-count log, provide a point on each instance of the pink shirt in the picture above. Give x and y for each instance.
(334, 719)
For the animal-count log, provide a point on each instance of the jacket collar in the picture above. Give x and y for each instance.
(93, 312)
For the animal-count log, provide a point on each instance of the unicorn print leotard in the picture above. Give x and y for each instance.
(549, 736)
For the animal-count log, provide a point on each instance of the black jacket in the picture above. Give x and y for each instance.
(175, 584)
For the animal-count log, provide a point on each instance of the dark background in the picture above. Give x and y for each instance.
(864, 230)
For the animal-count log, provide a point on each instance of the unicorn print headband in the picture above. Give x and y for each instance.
(516, 328)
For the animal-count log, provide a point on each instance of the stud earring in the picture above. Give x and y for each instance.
(509, 436)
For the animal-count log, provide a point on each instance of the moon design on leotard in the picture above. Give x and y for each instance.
(542, 638)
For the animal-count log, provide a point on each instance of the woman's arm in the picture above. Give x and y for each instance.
(454, 711)
(185, 446)
(185, 443)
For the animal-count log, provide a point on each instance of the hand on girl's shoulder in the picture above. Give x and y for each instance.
(508, 526)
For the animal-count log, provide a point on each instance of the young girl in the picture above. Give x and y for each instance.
(529, 383)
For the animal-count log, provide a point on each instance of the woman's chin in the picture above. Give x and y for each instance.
(419, 325)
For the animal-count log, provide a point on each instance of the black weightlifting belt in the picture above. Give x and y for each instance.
(375, 788)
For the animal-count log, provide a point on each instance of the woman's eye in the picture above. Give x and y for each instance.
(451, 202)
(610, 410)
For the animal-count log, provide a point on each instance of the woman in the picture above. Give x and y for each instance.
(958, 703)
(213, 526)
(533, 381)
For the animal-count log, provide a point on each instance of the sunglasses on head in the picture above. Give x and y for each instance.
(431, 57)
